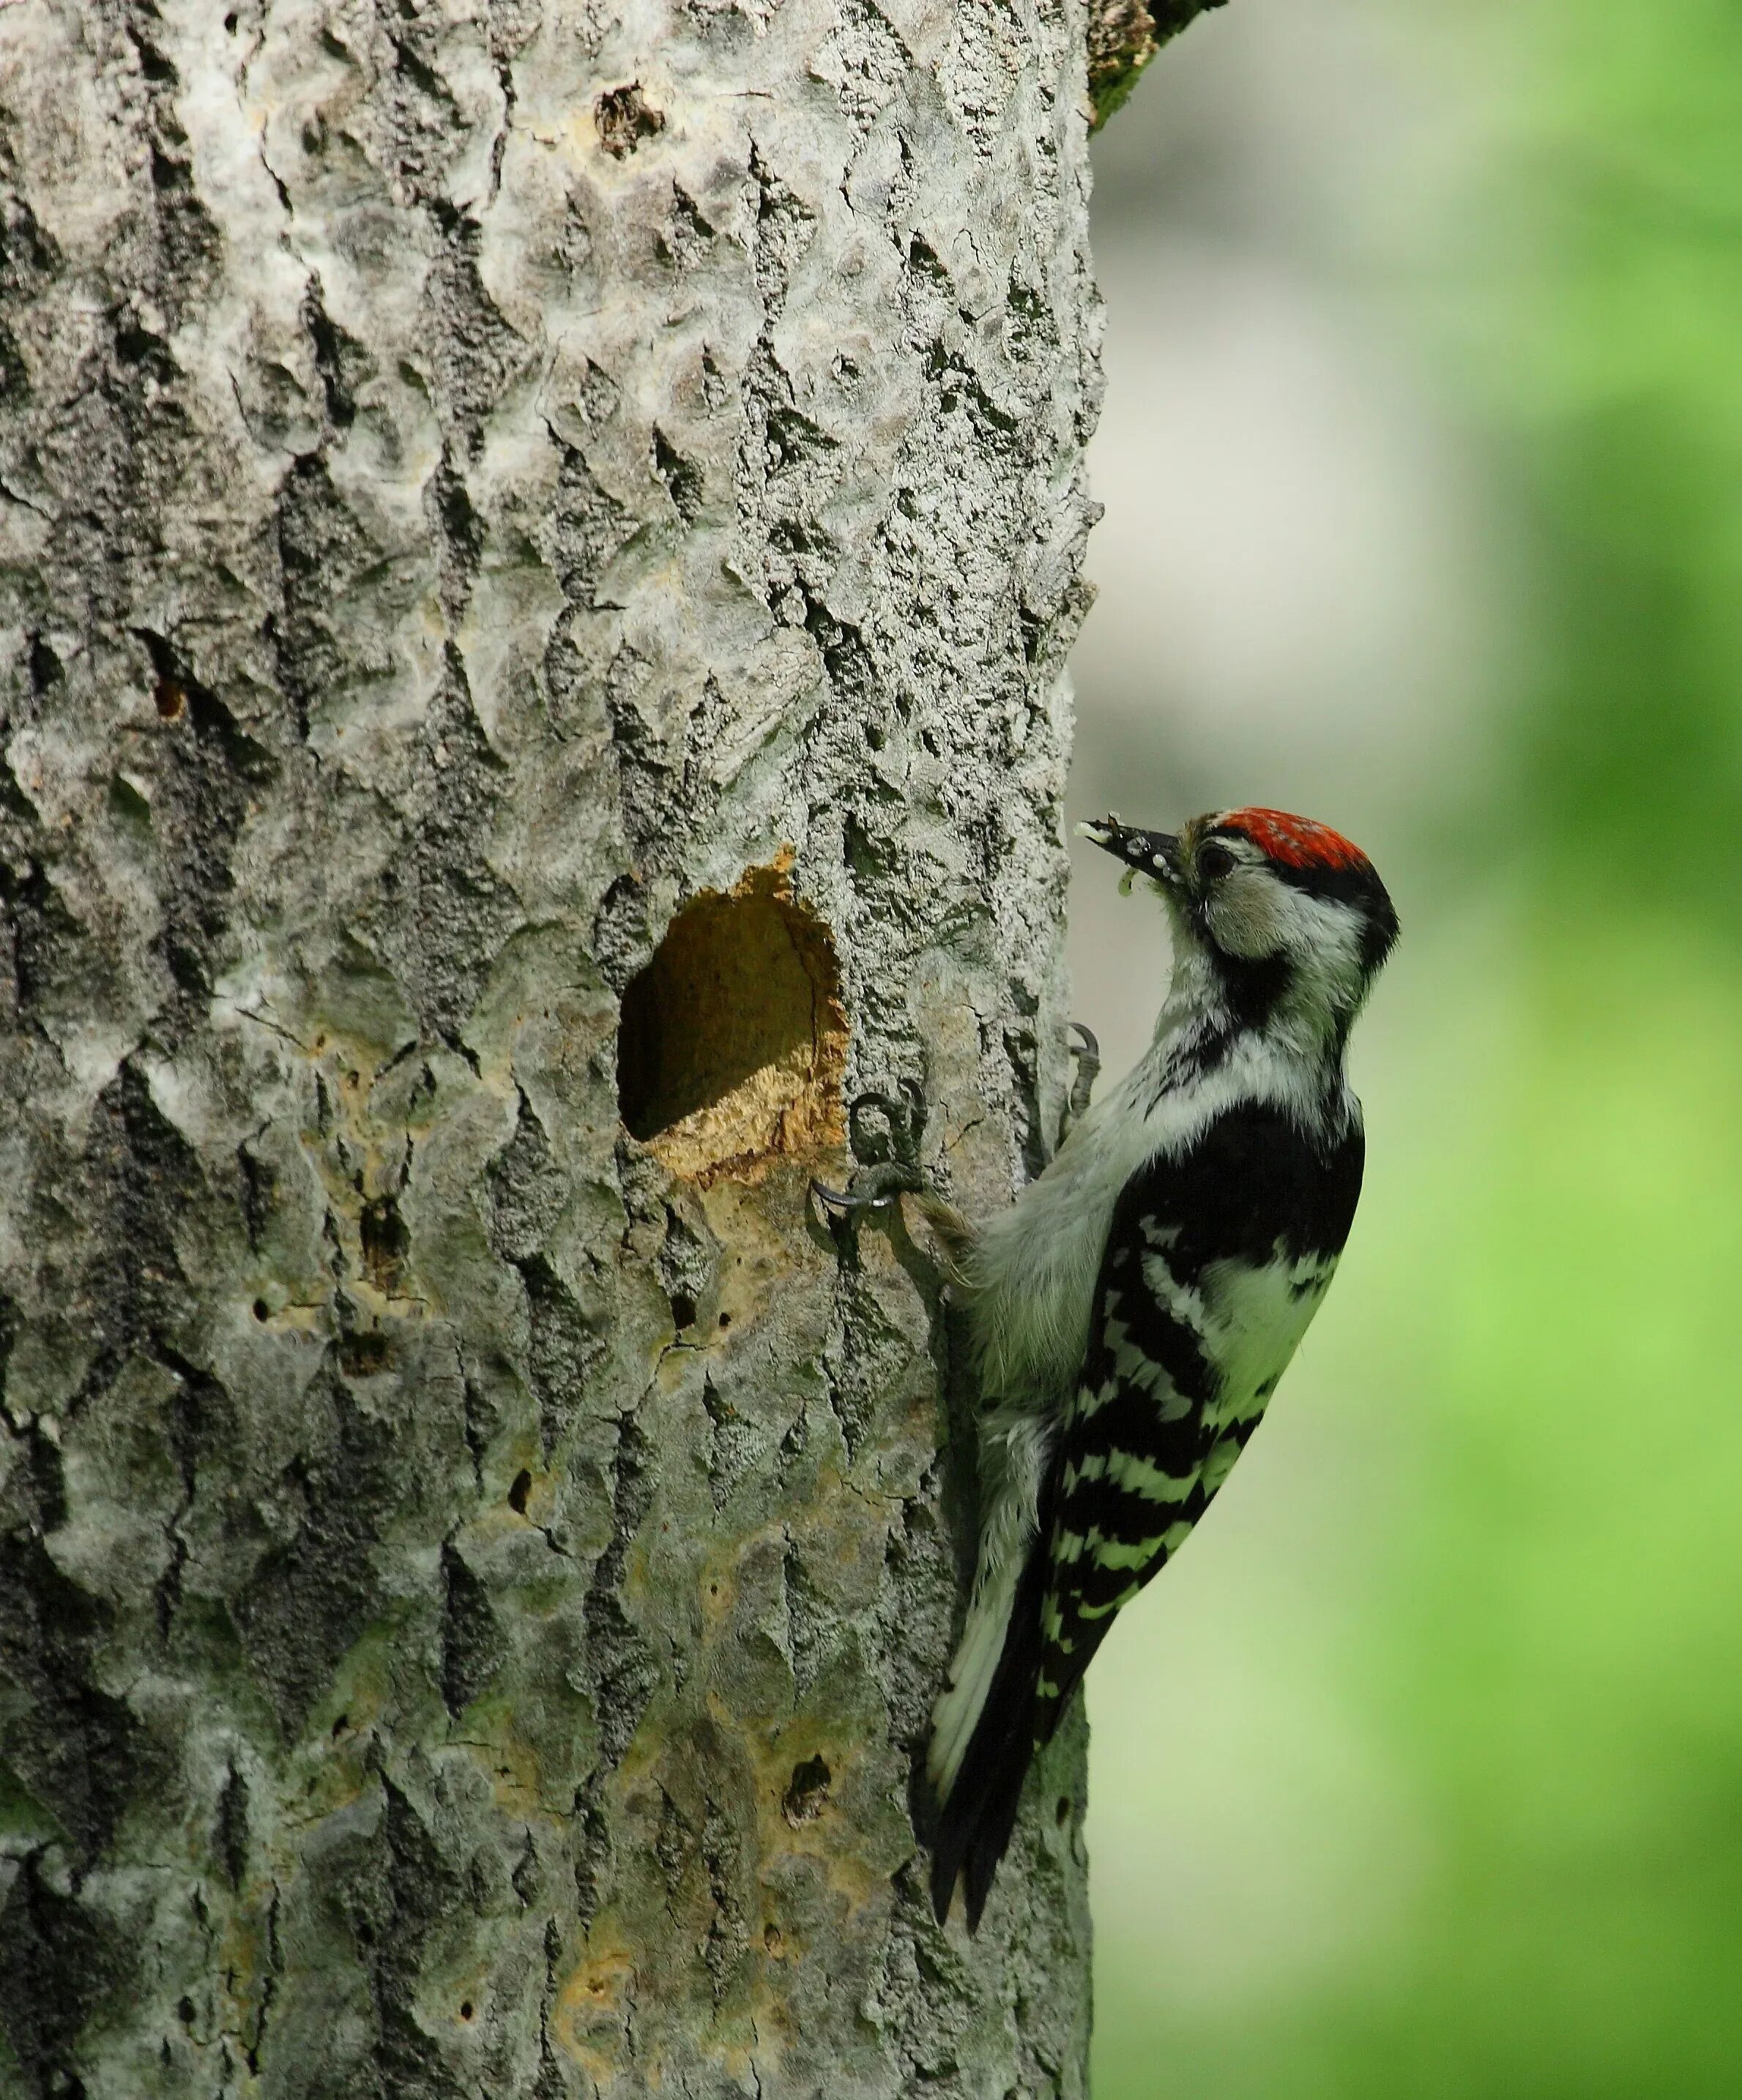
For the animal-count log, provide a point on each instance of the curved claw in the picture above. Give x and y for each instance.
(1090, 1046)
(887, 1158)
(843, 1199)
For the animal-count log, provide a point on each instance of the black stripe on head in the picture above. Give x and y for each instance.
(1312, 857)
(1360, 887)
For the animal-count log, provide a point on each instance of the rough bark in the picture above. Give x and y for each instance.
(486, 490)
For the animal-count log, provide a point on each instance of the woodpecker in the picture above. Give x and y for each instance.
(1131, 1313)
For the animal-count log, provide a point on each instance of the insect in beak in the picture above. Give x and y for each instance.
(1153, 854)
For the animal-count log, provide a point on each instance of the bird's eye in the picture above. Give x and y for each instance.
(1214, 862)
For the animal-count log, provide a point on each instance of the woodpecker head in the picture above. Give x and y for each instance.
(1285, 911)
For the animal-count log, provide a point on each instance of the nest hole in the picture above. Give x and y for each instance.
(733, 1040)
(805, 1796)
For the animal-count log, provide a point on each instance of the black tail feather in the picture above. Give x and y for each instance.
(970, 1831)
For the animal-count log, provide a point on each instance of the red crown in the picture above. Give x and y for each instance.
(1297, 841)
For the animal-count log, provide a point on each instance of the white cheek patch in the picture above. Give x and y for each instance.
(1244, 914)
(1253, 913)
(1325, 939)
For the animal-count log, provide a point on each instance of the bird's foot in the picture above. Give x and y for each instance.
(889, 1158)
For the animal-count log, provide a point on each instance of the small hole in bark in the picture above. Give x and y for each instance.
(384, 1238)
(184, 2012)
(262, 1311)
(465, 2009)
(771, 1938)
(364, 1354)
(683, 1310)
(725, 1319)
(732, 1041)
(809, 1790)
(517, 1494)
(229, 25)
(1064, 1811)
(169, 698)
(624, 118)
(340, 1726)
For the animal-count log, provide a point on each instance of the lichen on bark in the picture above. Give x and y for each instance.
(474, 478)
(1123, 37)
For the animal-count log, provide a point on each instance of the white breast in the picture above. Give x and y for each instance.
(1035, 1265)
(1032, 1274)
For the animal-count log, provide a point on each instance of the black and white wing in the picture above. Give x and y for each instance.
(1216, 1262)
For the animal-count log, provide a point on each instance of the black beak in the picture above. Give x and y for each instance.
(1154, 854)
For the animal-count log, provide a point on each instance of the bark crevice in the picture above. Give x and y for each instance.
(483, 505)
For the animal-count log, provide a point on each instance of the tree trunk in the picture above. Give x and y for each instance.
(539, 544)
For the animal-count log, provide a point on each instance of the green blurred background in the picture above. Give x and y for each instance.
(1420, 1773)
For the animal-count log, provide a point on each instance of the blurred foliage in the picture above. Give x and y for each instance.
(1555, 1668)
(1591, 283)
(1553, 1664)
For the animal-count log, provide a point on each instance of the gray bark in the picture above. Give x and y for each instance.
(486, 490)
